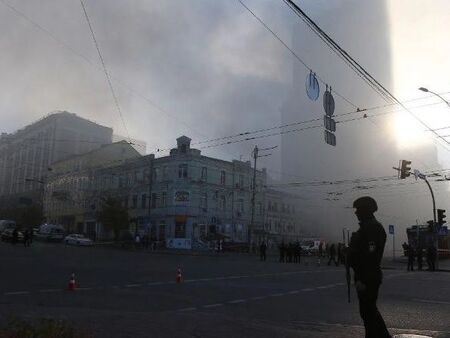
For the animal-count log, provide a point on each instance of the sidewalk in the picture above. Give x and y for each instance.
(402, 262)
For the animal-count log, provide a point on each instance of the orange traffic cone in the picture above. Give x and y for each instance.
(72, 283)
(179, 276)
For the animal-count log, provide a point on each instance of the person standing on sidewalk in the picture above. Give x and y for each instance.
(332, 253)
(411, 255)
(365, 253)
(419, 258)
(262, 251)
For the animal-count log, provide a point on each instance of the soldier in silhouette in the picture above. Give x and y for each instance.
(365, 254)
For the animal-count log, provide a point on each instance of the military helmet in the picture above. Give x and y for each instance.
(366, 203)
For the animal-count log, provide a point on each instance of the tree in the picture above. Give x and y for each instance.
(113, 216)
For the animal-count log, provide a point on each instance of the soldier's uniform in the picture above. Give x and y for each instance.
(366, 251)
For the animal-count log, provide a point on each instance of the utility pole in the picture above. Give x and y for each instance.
(250, 229)
(252, 220)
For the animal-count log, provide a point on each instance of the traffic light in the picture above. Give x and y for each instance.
(405, 169)
(441, 216)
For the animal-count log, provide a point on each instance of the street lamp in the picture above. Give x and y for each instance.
(426, 90)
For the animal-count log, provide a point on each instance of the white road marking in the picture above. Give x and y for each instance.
(133, 285)
(431, 301)
(84, 289)
(236, 301)
(16, 293)
(293, 292)
(188, 309)
(277, 294)
(49, 290)
(258, 297)
(213, 305)
(307, 290)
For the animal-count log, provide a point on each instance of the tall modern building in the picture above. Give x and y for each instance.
(26, 156)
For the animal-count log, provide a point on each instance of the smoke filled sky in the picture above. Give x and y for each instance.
(208, 68)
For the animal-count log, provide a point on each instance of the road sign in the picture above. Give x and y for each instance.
(391, 229)
(330, 138)
(443, 231)
(329, 123)
(312, 86)
(328, 103)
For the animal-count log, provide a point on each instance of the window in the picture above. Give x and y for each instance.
(155, 174)
(240, 205)
(154, 198)
(165, 172)
(260, 208)
(146, 175)
(182, 171)
(134, 203)
(204, 201)
(223, 203)
(164, 199)
(144, 201)
(222, 177)
(204, 174)
(241, 181)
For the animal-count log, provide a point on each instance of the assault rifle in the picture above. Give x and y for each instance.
(347, 262)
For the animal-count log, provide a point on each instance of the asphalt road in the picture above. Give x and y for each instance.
(134, 294)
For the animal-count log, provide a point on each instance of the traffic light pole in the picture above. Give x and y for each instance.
(436, 238)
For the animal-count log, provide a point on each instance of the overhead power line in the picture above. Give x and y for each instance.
(385, 93)
(292, 51)
(105, 70)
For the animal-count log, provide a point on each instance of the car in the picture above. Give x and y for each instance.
(6, 224)
(50, 232)
(7, 235)
(78, 239)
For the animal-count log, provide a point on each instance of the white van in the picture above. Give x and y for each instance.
(50, 232)
(6, 224)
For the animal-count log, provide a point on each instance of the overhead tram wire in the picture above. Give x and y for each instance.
(292, 52)
(335, 47)
(84, 58)
(248, 138)
(105, 69)
(355, 66)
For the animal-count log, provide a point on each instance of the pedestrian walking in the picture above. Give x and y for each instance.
(137, 240)
(282, 249)
(419, 258)
(431, 257)
(320, 249)
(262, 251)
(365, 254)
(31, 233)
(411, 255)
(327, 250)
(15, 236)
(339, 254)
(26, 238)
(332, 254)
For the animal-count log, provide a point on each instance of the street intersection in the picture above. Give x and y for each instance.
(135, 294)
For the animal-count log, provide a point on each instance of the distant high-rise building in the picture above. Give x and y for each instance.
(26, 156)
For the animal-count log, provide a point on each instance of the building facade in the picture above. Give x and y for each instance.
(27, 155)
(182, 196)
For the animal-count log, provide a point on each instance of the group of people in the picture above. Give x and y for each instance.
(418, 252)
(290, 252)
(335, 253)
(27, 237)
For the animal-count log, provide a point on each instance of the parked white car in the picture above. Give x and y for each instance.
(77, 239)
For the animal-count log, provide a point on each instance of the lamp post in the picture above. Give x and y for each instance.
(426, 90)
